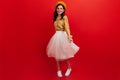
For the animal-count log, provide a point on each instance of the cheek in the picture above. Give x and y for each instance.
(62, 10)
(57, 10)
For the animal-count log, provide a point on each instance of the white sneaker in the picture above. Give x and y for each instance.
(59, 73)
(68, 72)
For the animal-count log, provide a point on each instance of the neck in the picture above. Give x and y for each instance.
(59, 15)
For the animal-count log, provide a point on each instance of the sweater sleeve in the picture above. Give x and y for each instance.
(67, 28)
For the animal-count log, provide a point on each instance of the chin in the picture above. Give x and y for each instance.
(59, 13)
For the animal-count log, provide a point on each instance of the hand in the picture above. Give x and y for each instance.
(70, 38)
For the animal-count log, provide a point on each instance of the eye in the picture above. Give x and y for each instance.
(61, 8)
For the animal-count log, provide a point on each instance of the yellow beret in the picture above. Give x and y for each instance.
(61, 2)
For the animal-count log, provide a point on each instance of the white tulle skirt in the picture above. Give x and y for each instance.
(60, 47)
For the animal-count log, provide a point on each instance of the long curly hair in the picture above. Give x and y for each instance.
(56, 14)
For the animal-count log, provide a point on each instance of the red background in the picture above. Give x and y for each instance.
(26, 27)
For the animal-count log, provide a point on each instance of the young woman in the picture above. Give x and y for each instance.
(61, 45)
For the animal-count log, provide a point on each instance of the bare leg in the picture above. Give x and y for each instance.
(58, 65)
(68, 63)
(59, 72)
(68, 71)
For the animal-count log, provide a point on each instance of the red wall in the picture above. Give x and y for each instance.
(26, 27)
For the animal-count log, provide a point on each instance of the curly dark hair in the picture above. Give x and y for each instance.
(56, 14)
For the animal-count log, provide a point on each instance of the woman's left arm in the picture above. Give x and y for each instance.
(67, 28)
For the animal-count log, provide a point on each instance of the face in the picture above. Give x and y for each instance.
(60, 9)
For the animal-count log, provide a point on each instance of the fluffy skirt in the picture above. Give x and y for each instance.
(60, 47)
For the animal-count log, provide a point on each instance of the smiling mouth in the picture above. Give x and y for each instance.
(59, 12)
